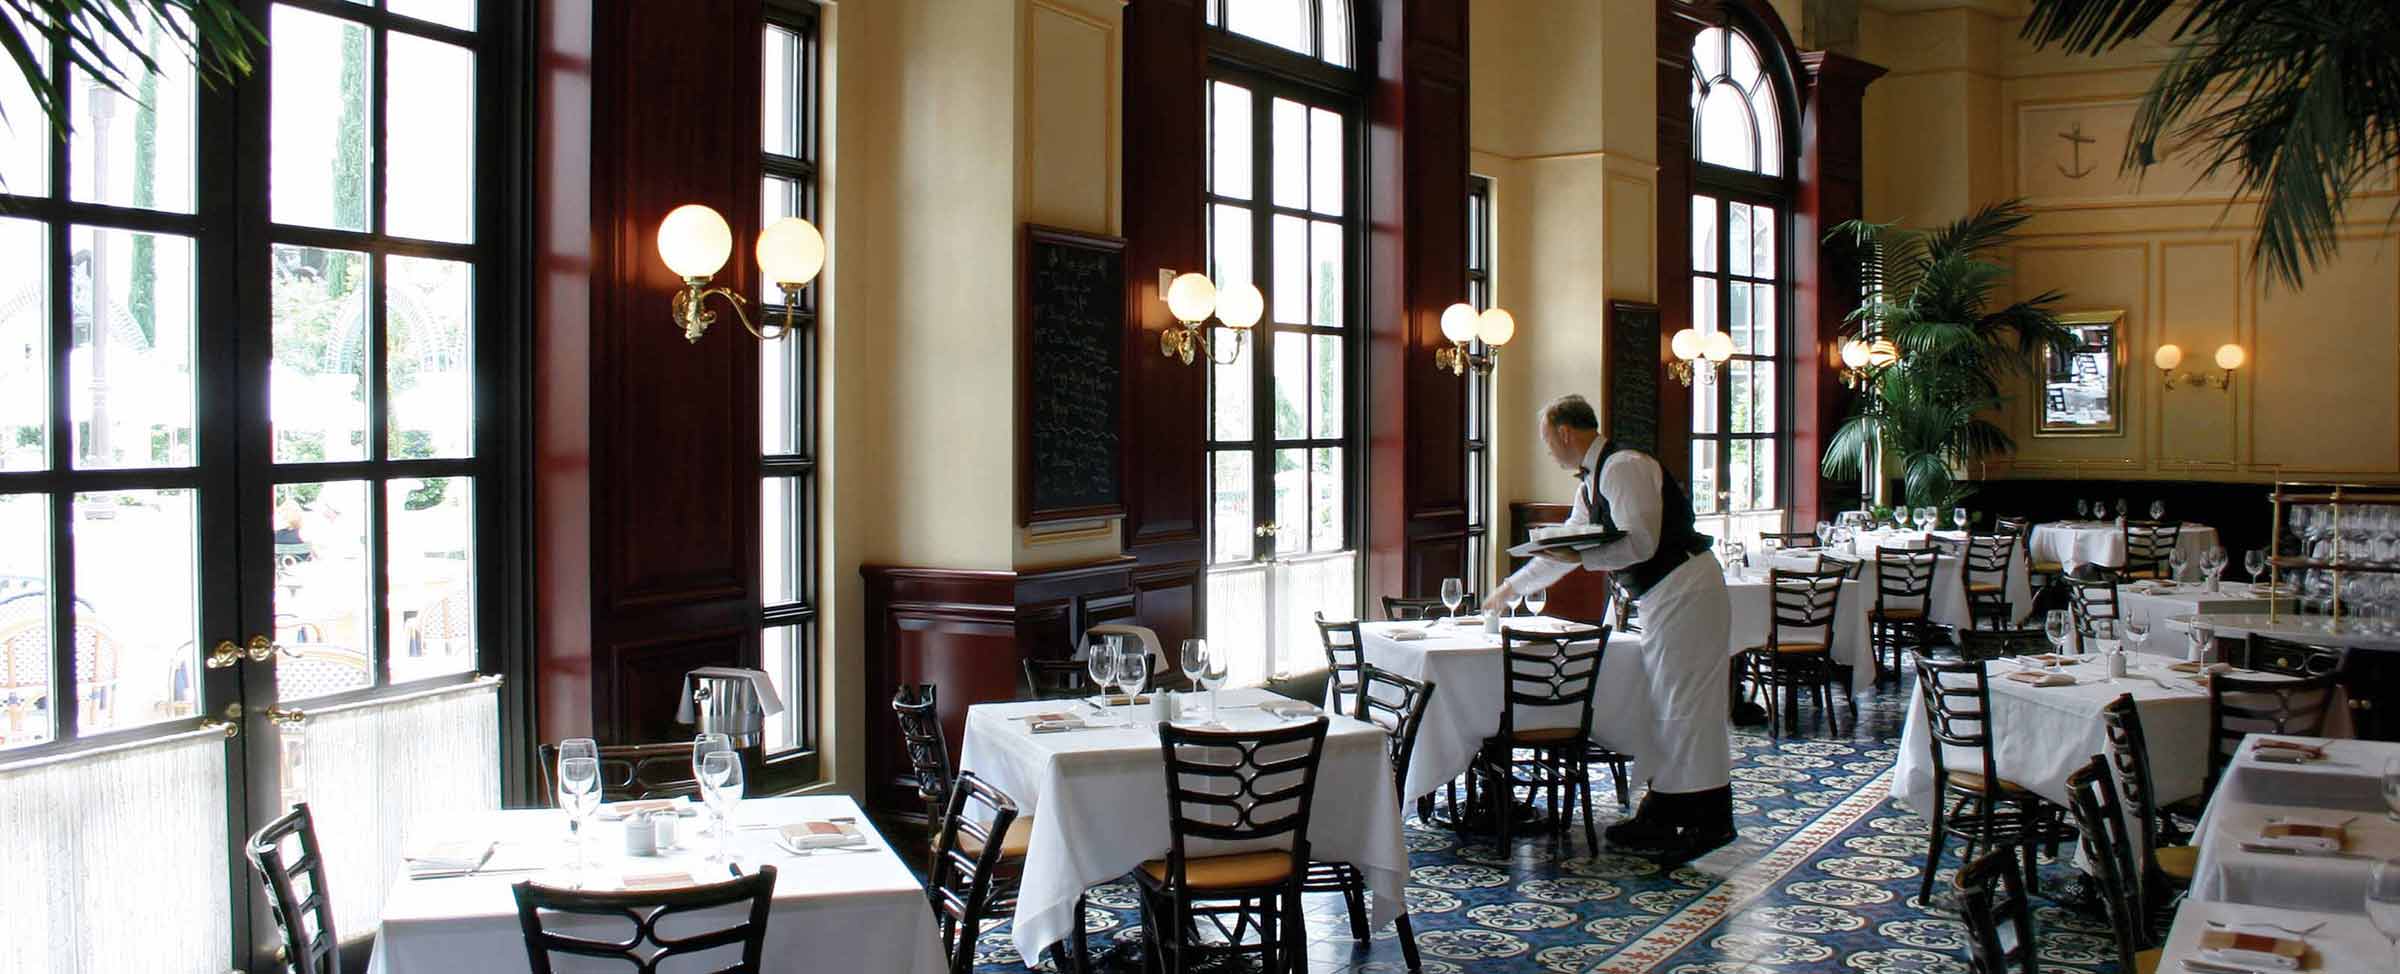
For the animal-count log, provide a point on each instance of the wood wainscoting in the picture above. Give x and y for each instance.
(969, 633)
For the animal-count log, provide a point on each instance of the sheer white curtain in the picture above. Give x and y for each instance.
(117, 860)
(374, 775)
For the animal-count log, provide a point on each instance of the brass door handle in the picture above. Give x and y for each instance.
(286, 718)
(259, 650)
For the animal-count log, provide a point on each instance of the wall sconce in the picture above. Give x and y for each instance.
(1707, 350)
(1861, 359)
(1192, 298)
(2230, 358)
(694, 242)
(1461, 325)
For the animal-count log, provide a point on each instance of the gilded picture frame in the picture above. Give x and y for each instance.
(2084, 394)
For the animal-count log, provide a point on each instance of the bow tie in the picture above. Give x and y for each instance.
(1582, 474)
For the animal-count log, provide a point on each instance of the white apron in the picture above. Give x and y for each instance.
(1686, 620)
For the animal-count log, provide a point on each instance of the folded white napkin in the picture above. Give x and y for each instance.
(1289, 708)
(1407, 635)
(2041, 679)
(681, 806)
(801, 836)
(2243, 947)
(2310, 837)
(462, 855)
(1057, 725)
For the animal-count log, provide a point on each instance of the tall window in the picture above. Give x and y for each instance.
(1282, 211)
(1739, 207)
(1479, 387)
(788, 387)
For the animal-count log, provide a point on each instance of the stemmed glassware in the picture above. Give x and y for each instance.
(2254, 561)
(2212, 562)
(1133, 671)
(1958, 519)
(2158, 510)
(1824, 533)
(1100, 663)
(2383, 902)
(2082, 510)
(2175, 565)
(2137, 633)
(1195, 663)
(1536, 599)
(721, 788)
(579, 795)
(1516, 602)
(2123, 508)
(1453, 592)
(1213, 674)
(2058, 626)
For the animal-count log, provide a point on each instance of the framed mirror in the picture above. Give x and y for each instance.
(2083, 392)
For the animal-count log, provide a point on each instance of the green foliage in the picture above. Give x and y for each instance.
(143, 302)
(98, 36)
(2298, 99)
(1934, 300)
(427, 495)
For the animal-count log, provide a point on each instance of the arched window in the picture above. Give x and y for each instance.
(1740, 204)
(1317, 28)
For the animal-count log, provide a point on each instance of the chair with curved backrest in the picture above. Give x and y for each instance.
(2163, 863)
(1975, 645)
(1903, 600)
(1396, 704)
(964, 884)
(647, 944)
(1056, 679)
(1345, 661)
(1237, 789)
(1850, 568)
(928, 747)
(1794, 658)
(629, 772)
(2238, 707)
(1544, 672)
(309, 945)
(2148, 546)
(2040, 574)
(1975, 804)
(2093, 598)
(2100, 831)
(1990, 895)
(1989, 558)
(1399, 609)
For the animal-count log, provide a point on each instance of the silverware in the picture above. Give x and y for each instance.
(2197, 966)
(2279, 851)
(2301, 932)
(457, 873)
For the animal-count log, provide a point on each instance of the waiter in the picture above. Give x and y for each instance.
(1665, 567)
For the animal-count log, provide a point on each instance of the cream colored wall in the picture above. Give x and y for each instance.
(1564, 121)
(1970, 114)
(948, 125)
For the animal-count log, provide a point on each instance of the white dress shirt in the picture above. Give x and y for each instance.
(1634, 486)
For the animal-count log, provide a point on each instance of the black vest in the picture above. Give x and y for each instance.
(1678, 540)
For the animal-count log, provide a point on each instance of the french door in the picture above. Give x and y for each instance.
(1282, 214)
(1738, 439)
(249, 335)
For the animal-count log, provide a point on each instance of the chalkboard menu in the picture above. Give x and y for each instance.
(1633, 375)
(1070, 348)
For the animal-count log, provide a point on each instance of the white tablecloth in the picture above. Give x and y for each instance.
(832, 911)
(2227, 873)
(2073, 544)
(1949, 575)
(2141, 601)
(2349, 777)
(1753, 601)
(1100, 809)
(2345, 943)
(2042, 734)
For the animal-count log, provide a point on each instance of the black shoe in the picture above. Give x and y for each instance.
(1749, 714)
(1707, 822)
(1652, 826)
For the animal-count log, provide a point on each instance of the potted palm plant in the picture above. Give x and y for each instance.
(1932, 294)
(99, 39)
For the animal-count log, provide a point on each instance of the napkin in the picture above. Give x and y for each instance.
(463, 855)
(615, 811)
(667, 879)
(2031, 678)
(804, 835)
(2241, 949)
(1056, 724)
(2286, 752)
(2300, 837)
(1289, 709)
(1117, 700)
(2043, 660)
(1407, 635)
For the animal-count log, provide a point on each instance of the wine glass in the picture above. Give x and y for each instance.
(1213, 675)
(1453, 592)
(2255, 560)
(2391, 788)
(1536, 599)
(721, 787)
(2122, 508)
(2158, 510)
(2137, 633)
(2058, 625)
(2082, 510)
(705, 745)
(2383, 901)
(1133, 670)
(2175, 565)
(1958, 519)
(1100, 663)
(1195, 663)
(1824, 533)
(1516, 601)
(579, 794)
(2203, 639)
(2212, 562)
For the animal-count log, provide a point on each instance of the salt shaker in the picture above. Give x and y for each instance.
(663, 823)
(1491, 623)
(641, 838)
(1162, 707)
(2116, 663)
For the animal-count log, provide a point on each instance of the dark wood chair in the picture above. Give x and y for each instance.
(304, 920)
(1851, 568)
(2040, 575)
(629, 772)
(646, 946)
(1400, 609)
(2148, 546)
(1250, 787)
(1544, 671)
(1793, 658)
(1903, 601)
(1345, 661)
(927, 746)
(2093, 599)
(2163, 861)
(1989, 558)
(2100, 831)
(1396, 704)
(1975, 804)
(1999, 917)
(1977, 645)
(2239, 706)
(1057, 679)
(965, 883)
(1791, 539)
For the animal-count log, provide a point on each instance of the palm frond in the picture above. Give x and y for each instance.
(102, 40)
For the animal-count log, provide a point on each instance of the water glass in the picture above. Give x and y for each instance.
(579, 795)
(2058, 625)
(2137, 634)
(1516, 601)
(705, 745)
(720, 788)
(1958, 519)
(2391, 788)
(1133, 671)
(1537, 599)
(1195, 663)
(1453, 592)
(2255, 560)
(2203, 642)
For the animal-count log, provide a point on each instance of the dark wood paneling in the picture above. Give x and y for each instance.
(1825, 278)
(1165, 59)
(1678, 23)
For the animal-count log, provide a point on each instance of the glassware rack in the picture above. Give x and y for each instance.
(2296, 550)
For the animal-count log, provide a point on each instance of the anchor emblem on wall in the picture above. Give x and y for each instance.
(2076, 140)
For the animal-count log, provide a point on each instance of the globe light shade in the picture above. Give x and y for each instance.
(791, 252)
(2167, 357)
(1495, 327)
(694, 241)
(1685, 345)
(1882, 353)
(1191, 298)
(1458, 323)
(1854, 354)
(1718, 346)
(2230, 357)
(1239, 305)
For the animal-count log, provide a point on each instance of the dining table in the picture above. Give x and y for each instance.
(1097, 796)
(2076, 543)
(2236, 866)
(1950, 605)
(2158, 604)
(2338, 943)
(848, 908)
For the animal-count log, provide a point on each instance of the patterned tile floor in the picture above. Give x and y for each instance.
(1823, 879)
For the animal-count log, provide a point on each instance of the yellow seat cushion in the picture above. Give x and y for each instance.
(1986, 588)
(1800, 648)
(1245, 870)
(1975, 782)
(2048, 568)
(2177, 861)
(2146, 962)
(1012, 845)
(1546, 735)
